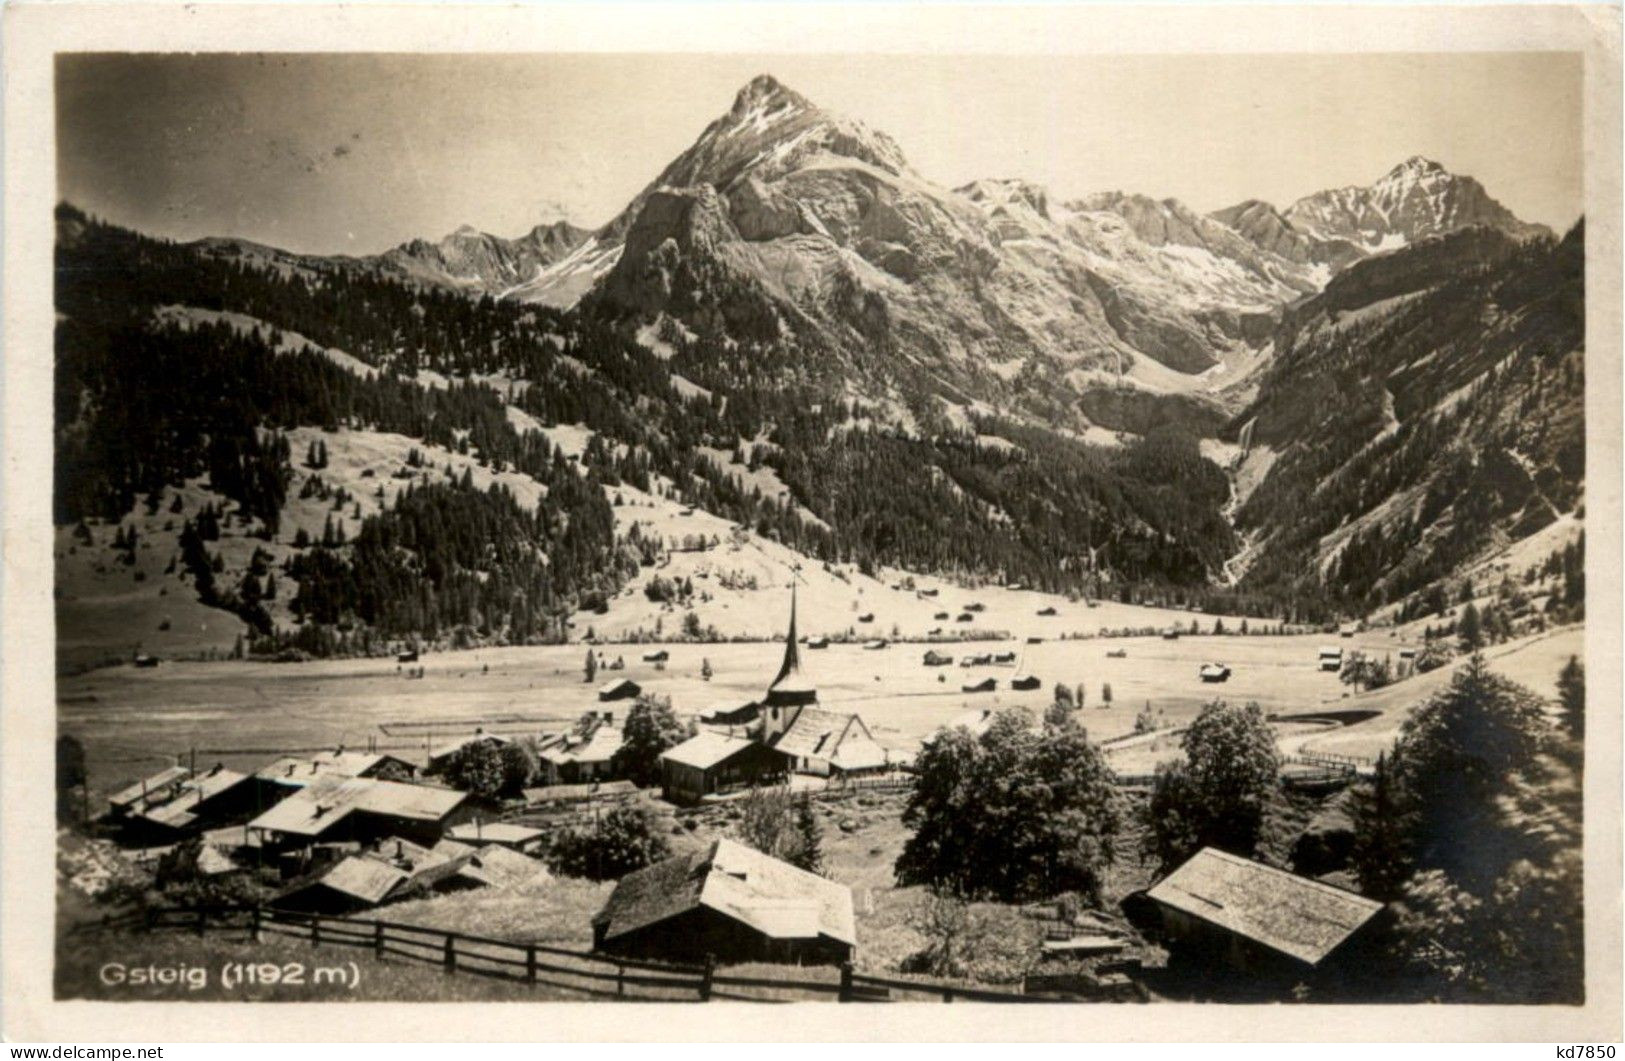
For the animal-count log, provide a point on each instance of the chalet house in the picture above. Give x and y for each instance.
(713, 763)
(577, 758)
(334, 808)
(355, 883)
(365, 764)
(193, 803)
(731, 902)
(1229, 911)
(282, 777)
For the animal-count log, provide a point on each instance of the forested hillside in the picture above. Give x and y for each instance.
(1427, 406)
(179, 366)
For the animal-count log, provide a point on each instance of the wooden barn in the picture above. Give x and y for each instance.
(619, 689)
(712, 763)
(1223, 910)
(730, 902)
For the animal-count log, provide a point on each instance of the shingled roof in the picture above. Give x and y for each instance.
(1292, 915)
(706, 749)
(153, 788)
(841, 739)
(599, 747)
(329, 798)
(771, 896)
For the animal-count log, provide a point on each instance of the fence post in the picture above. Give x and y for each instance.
(705, 984)
(254, 931)
(378, 940)
(450, 959)
(530, 964)
(947, 994)
(315, 930)
(620, 981)
(202, 919)
(846, 982)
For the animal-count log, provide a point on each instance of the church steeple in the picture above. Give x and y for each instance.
(791, 687)
(792, 655)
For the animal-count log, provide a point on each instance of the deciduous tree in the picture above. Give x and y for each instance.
(1219, 794)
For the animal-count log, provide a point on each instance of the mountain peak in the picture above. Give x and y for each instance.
(764, 92)
(465, 232)
(1415, 166)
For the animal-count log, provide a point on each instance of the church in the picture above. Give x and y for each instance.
(812, 739)
(788, 722)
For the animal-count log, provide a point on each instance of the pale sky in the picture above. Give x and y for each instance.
(356, 153)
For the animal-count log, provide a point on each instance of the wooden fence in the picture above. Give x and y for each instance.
(895, 782)
(587, 973)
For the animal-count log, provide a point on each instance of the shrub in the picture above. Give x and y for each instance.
(624, 839)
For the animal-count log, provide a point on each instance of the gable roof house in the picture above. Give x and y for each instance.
(1227, 910)
(364, 764)
(712, 763)
(191, 803)
(393, 869)
(729, 901)
(333, 808)
(576, 758)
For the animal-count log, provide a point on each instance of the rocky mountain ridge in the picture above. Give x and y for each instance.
(1416, 199)
(788, 226)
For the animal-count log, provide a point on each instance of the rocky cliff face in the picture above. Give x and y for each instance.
(785, 223)
(1264, 226)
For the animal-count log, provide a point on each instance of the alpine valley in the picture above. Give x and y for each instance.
(794, 346)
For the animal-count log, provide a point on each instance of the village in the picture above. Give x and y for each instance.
(695, 824)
